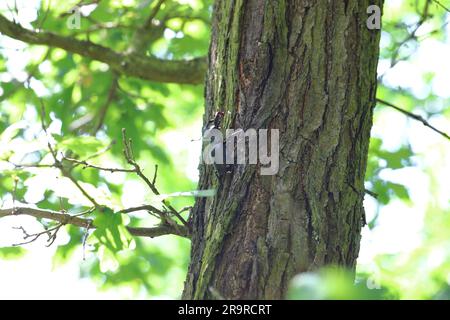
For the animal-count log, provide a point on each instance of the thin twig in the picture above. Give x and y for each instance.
(66, 174)
(153, 13)
(83, 213)
(415, 117)
(143, 35)
(441, 5)
(44, 127)
(95, 155)
(51, 233)
(143, 207)
(411, 36)
(371, 193)
(128, 153)
(14, 195)
(30, 165)
(104, 109)
(155, 175)
(185, 209)
(46, 13)
(85, 164)
(57, 163)
(65, 218)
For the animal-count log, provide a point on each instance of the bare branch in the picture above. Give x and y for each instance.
(85, 164)
(44, 127)
(153, 13)
(163, 214)
(415, 117)
(441, 5)
(128, 153)
(155, 175)
(51, 233)
(99, 153)
(67, 174)
(188, 208)
(65, 218)
(57, 163)
(424, 15)
(30, 165)
(143, 207)
(87, 119)
(371, 193)
(132, 64)
(168, 224)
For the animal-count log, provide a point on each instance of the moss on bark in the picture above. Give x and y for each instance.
(307, 68)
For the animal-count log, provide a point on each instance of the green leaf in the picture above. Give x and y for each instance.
(399, 190)
(381, 189)
(65, 251)
(397, 159)
(108, 260)
(10, 132)
(12, 252)
(331, 284)
(111, 231)
(82, 146)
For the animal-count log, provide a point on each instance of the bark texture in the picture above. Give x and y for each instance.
(307, 68)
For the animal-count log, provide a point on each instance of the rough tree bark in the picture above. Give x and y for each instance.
(307, 68)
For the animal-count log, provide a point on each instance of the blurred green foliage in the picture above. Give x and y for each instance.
(73, 89)
(335, 284)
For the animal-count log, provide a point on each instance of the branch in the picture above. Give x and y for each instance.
(104, 109)
(163, 214)
(371, 193)
(145, 33)
(133, 64)
(29, 165)
(441, 5)
(129, 156)
(413, 35)
(68, 175)
(85, 165)
(57, 163)
(64, 218)
(83, 122)
(51, 234)
(143, 207)
(415, 117)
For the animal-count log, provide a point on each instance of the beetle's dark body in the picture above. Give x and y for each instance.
(216, 123)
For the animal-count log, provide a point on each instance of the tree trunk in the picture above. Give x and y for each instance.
(307, 68)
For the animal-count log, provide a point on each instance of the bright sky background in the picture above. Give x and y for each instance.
(399, 225)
